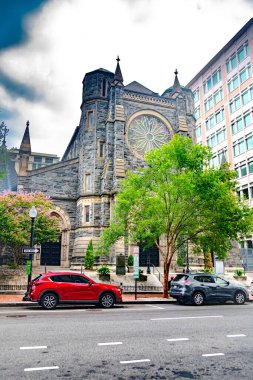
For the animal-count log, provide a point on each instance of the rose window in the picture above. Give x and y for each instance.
(145, 133)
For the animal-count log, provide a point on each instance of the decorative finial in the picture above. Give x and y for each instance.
(176, 72)
(27, 123)
(118, 75)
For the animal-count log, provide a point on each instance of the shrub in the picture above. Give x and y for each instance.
(130, 261)
(180, 261)
(89, 257)
(104, 269)
(207, 270)
(13, 265)
(238, 272)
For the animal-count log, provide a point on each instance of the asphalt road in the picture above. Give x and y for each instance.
(165, 341)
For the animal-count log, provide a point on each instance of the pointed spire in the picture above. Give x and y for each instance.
(118, 75)
(176, 85)
(25, 146)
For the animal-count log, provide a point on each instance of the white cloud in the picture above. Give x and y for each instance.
(71, 37)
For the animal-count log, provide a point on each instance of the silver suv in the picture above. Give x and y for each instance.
(199, 288)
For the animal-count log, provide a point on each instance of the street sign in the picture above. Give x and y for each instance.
(31, 250)
(136, 261)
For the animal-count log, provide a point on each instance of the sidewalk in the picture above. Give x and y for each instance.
(147, 298)
(16, 299)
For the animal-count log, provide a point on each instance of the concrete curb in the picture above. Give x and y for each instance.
(148, 301)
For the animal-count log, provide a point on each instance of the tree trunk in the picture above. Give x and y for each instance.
(208, 260)
(165, 280)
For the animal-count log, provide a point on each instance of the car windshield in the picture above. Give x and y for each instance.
(180, 278)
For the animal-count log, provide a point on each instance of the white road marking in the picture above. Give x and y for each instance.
(199, 317)
(40, 368)
(109, 344)
(134, 361)
(32, 347)
(236, 336)
(177, 339)
(218, 354)
(156, 307)
(127, 309)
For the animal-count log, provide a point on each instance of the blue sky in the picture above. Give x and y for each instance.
(13, 13)
(46, 47)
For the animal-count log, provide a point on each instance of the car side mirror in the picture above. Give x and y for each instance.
(90, 283)
(228, 282)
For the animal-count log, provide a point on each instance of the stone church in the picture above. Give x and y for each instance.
(119, 124)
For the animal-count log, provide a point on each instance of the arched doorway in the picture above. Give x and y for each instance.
(146, 254)
(57, 253)
(51, 253)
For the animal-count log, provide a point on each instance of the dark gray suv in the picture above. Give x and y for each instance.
(199, 288)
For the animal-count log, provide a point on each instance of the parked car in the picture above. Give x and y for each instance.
(50, 289)
(199, 288)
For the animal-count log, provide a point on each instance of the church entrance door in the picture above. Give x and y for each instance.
(152, 253)
(51, 253)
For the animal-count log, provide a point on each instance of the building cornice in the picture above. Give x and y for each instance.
(225, 48)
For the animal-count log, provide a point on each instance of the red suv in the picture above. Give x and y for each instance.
(51, 288)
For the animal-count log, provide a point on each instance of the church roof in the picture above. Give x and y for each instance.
(25, 146)
(100, 70)
(137, 87)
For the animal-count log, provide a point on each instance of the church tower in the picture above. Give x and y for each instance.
(24, 152)
(118, 125)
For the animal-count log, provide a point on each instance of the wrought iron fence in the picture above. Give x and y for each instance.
(142, 288)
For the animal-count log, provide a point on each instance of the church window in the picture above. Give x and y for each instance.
(87, 214)
(87, 182)
(104, 87)
(89, 119)
(101, 149)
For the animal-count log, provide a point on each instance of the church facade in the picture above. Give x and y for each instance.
(118, 125)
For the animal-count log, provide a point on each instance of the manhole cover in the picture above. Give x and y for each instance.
(16, 316)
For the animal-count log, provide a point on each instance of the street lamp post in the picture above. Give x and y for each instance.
(32, 214)
(148, 263)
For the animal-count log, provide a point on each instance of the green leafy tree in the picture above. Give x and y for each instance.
(179, 198)
(89, 257)
(15, 222)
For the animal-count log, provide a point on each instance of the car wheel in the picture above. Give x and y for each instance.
(49, 301)
(107, 300)
(240, 298)
(198, 298)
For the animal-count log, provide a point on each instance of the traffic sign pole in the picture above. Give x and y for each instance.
(136, 267)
